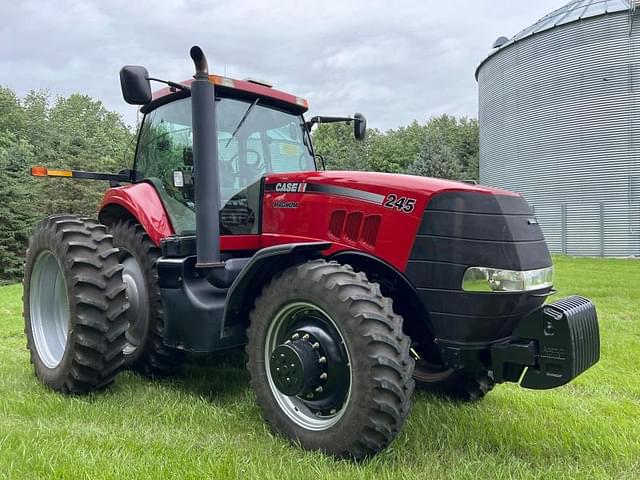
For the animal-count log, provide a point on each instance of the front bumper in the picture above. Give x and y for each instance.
(548, 348)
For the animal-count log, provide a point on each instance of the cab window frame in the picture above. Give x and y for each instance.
(147, 110)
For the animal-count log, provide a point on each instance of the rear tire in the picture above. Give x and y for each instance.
(454, 384)
(145, 350)
(363, 398)
(74, 304)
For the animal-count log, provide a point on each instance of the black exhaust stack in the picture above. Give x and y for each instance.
(207, 186)
(205, 163)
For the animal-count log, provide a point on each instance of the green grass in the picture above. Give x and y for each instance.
(205, 424)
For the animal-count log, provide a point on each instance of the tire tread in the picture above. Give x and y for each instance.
(385, 349)
(78, 242)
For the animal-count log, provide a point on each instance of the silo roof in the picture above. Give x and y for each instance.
(571, 12)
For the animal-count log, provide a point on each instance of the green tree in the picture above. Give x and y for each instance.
(395, 150)
(16, 204)
(341, 151)
(462, 137)
(12, 115)
(82, 135)
(74, 132)
(436, 159)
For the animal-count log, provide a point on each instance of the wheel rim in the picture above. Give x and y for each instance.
(48, 309)
(138, 302)
(305, 341)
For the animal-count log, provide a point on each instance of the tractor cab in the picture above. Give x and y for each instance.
(258, 131)
(255, 137)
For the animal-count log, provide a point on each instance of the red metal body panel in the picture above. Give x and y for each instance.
(309, 220)
(397, 230)
(142, 201)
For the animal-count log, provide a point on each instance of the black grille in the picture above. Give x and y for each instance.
(464, 229)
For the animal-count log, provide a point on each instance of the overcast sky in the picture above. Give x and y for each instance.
(393, 60)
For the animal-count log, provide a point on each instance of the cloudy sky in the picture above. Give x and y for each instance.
(394, 60)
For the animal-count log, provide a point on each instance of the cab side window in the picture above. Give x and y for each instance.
(165, 146)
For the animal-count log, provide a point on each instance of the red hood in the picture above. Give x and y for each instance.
(377, 182)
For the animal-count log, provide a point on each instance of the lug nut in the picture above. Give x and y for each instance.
(323, 376)
(295, 336)
(305, 336)
(332, 411)
(309, 395)
(288, 341)
(322, 360)
(319, 389)
(315, 346)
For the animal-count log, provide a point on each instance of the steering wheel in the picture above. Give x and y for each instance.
(257, 167)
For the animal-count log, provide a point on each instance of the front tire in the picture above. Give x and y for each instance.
(74, 304)
(328, 360)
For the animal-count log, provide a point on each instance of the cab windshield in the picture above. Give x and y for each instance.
(253, 140)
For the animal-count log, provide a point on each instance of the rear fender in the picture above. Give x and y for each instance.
(140, 202)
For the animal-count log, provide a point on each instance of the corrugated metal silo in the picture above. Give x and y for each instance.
(559, 112)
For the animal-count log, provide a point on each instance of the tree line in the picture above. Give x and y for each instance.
(78, 132)
(74, 132)
(443, 147)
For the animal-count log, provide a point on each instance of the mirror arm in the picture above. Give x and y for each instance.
(171, 84)
(321, 119)
(357, 120)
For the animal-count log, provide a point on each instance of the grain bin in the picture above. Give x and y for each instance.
(559, 112)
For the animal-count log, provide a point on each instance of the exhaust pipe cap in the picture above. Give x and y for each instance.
(199, 60)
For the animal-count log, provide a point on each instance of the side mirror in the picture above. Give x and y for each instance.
(135, 85)
(359, 126)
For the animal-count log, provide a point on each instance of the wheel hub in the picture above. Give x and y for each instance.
(308, 366)
(138, 301)
(311, 366)
(296, 368)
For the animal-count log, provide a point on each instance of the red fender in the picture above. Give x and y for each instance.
(142, 201)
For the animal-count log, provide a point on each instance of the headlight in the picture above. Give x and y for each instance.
(483, 279)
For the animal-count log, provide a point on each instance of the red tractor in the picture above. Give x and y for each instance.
(347, 288)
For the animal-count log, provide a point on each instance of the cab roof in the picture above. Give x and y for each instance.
(231, 87)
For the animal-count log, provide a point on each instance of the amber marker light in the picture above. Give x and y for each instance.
(38, 171)
(59, 173)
